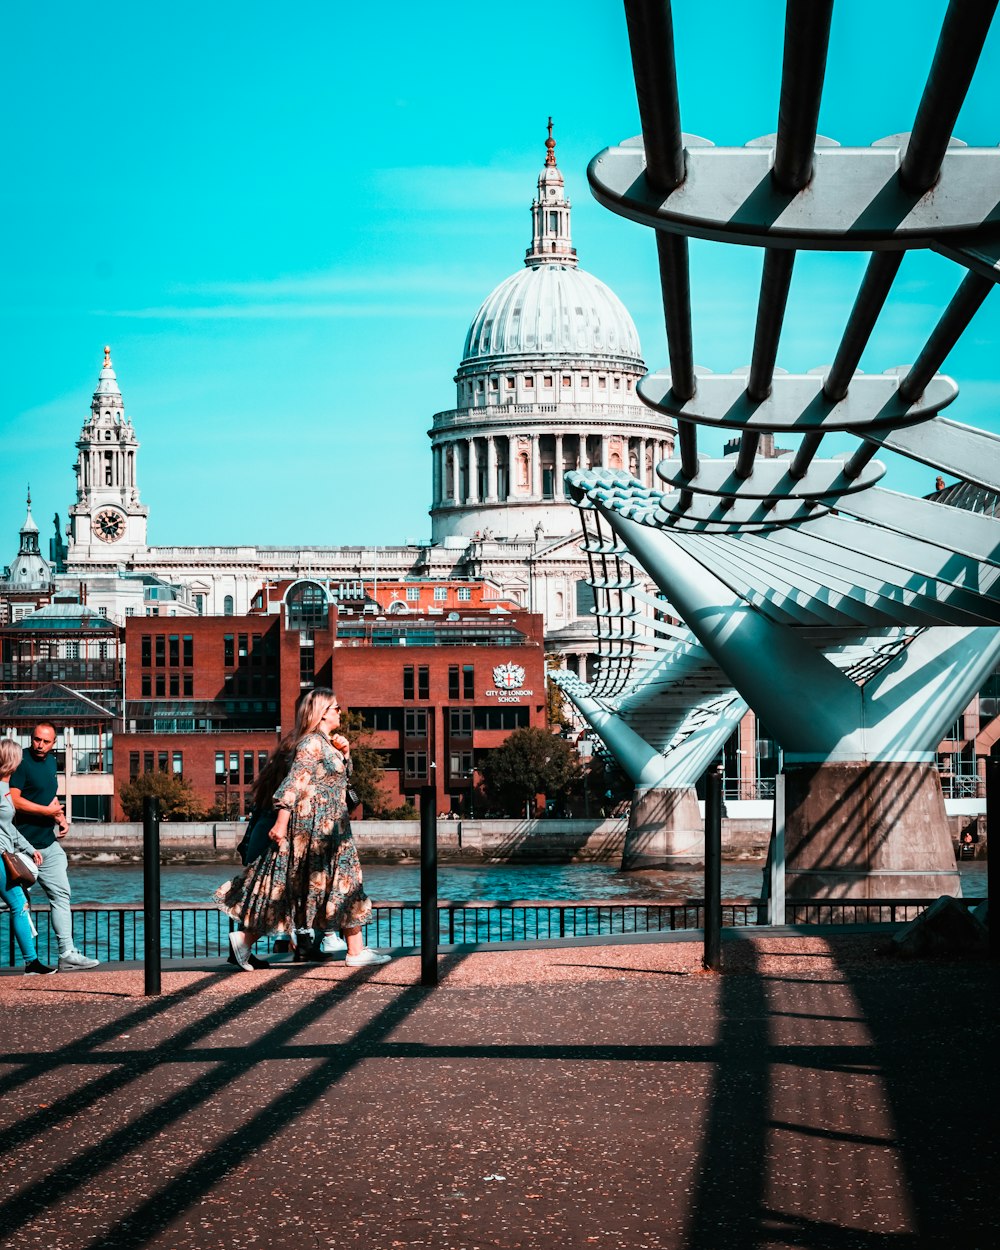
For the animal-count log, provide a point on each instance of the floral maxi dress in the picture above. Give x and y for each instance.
(313, 880)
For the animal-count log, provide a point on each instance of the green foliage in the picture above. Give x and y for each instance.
(530, 762)
(603, 776)
(368, 769)
(405, 811)
(178, 801)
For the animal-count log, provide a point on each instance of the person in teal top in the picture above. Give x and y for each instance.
(39, 817)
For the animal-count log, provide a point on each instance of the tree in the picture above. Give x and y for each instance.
(368, 770)
(178, 801)
(530, 762)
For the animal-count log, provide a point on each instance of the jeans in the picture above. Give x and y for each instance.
(24, 931)
(54, 880)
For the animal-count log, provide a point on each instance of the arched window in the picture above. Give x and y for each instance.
(307, 606)
(227, 606)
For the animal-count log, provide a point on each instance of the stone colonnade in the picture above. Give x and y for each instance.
(492, 468)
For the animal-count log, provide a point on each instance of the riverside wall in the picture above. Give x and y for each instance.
(398, 841)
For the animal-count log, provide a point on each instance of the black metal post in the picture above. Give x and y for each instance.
(428, 887)
(992, 842)
(713, 871)
(151, 893)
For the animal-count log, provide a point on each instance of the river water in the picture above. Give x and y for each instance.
(194, 883)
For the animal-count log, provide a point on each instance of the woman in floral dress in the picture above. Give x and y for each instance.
(311, 877)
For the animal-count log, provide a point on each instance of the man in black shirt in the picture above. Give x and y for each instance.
(39, 816)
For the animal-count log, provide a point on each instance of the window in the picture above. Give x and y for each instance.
(468, 681)
(188, 650)
(464, 594)
(494, 384)
(585, 383)
(133, 765)
(415, 765)
(130, 611)
(227, 606)
(423, 682)
(220, 767)
(262, 758)
(510, 384)
(228, 650)
(460, 722)
(479, 386)
(602, 384)
(453, 688)
(147, 650)
(175, 650)
(160, 648)
(234, 768)
(147, 686)
(529, 383)
(247, 767)
(307, 605)
(547, 380)
(408, 681)
(162, 758)
(415, 722)
(199, 604)
(460, 763)
(187, 684)
(147, 761)
(440, 594)
(175, 685)
(161, 685)
(567, 381)
(177, 761)
(413, 594)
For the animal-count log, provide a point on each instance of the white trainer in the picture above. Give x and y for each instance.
(332, 944)
(76, 961)
(366, 956)
(241, 950)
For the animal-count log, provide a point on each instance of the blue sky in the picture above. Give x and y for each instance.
(283, 218)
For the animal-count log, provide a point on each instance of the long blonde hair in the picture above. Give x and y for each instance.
(311, 711)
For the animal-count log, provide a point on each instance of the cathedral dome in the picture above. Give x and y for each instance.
(552, 309)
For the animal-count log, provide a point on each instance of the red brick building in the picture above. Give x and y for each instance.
(208, 697)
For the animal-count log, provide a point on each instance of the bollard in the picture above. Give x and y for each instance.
(992, 827)
(428, 887)
(776, 860)
(151, 893)
(712, 958)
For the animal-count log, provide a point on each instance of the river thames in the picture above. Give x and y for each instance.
(195, 883)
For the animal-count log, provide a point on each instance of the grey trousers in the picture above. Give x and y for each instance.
(54, 880)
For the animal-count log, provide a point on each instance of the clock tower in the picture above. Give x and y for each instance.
(107, 522)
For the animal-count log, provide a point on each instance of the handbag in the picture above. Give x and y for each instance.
(20, 869)
(352, 796)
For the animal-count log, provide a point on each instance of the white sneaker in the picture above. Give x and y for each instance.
(76, 961)
(332, 944)
(366, 956)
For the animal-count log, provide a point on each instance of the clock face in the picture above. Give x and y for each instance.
(109, 525)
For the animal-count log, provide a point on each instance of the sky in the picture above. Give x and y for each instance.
(283, 219)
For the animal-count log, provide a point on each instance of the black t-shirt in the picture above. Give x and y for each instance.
(36, 779)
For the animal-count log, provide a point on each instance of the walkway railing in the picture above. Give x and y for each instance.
(115, 933)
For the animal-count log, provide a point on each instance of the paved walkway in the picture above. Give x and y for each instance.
(817, 1095)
